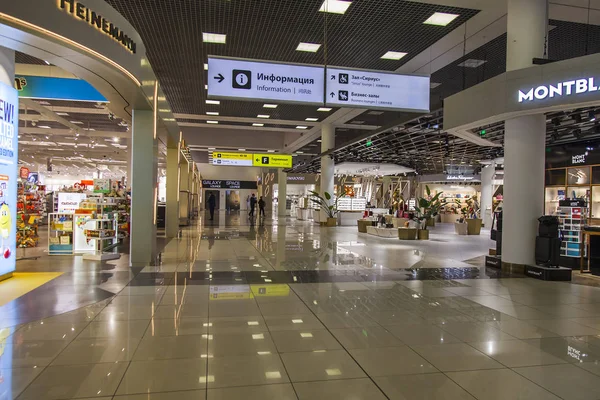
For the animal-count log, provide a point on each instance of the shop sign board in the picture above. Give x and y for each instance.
(565, 88)
(101, 185)
(377, 90)
(302, 179)
(228, 184)
(235, 159)
(49, 88)
(242, 79)
(272, 160)
(69, 202)
(460, 177)
(23, 172)
(9, 126)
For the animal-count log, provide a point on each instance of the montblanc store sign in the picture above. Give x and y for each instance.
(566, 88)
(96, 20)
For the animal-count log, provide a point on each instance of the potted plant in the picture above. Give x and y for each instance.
(324, 203)
(473, 222)
(428, 208)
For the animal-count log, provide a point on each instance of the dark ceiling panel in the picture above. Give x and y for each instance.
(271, 30)
(22, 58)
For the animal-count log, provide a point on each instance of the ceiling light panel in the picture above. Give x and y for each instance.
(440, 19)
(312, 119)
(310, 47)
(215, 102)
(257, 124)
(472, 63)
(213, 38)
(263, 116)
(212, 113)
(324, 109)
(270, 105)
(335, 6)
(393, 55)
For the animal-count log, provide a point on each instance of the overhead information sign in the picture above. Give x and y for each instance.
(230, 78)
(272, 160)
(373, 89)
(239, 159)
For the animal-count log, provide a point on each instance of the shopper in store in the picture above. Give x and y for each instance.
(261, 207)
(212, 202)
(252, 205)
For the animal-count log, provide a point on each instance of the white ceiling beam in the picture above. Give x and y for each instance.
(68, 132)
(243, 119)
(237, 127)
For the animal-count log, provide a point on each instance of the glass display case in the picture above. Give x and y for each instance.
(595, 203)
(553, 196)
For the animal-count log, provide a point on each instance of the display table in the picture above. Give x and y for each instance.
(407, 233)
(348, 218)
(382, 232)
(399, 222)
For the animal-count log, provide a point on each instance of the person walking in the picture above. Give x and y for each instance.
(252, 205)
(212, 203)
(261, 207)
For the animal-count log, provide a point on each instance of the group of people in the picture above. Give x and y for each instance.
(251, 202)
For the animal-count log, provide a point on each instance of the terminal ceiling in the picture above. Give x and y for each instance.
(272, 29)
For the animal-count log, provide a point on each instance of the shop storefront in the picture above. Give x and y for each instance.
(230, 195)
(458, 192)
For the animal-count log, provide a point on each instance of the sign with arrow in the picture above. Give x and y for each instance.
(254, 80)
(377, 90)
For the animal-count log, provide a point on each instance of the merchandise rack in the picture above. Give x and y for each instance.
(571, 222)
(60, 234)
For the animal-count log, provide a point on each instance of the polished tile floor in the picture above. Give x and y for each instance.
(291, 311)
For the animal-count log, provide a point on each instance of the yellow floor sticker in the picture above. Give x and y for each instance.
(22, 283)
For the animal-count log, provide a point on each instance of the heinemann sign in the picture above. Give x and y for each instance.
(566, 88)
(98, 21)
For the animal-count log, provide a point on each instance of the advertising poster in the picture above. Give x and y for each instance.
(9, 123)
(232, 200)
(101, 185)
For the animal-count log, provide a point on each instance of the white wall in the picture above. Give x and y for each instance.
(208, 171)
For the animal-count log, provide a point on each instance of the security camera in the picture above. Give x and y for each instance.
(111, 116)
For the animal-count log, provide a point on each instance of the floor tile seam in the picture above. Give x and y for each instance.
(480, 322)
(535, 383)
(343, 347)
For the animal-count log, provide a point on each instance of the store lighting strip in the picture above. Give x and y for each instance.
(73, 43)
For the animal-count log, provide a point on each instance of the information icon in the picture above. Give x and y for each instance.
(242, 79)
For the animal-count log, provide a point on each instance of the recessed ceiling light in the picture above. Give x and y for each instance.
(212, 148)
(212, 122)
(300, 152)
(62, 113)
(161, 110)
(263, 116)
(301, 127)
(169, 119)
(312, 119)
(393, 55)
(270, 105)
(440, 19)
(44, 126)
(213, 102)
(324, 109)
(257, 124)
(205, 87)
(335, 6)
(242, 149)
(319, 140)
(76, 122)
(433, 85)
(310, 47)
(471, 63)
(205, 66)
(270, 151)
(212, 113)
(213, 38)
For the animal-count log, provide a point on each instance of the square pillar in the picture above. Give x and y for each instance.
(172, 211)
(144, 187)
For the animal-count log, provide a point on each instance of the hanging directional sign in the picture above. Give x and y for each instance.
(234, 78)
(238, 159)
(377, 90)
(272, 160)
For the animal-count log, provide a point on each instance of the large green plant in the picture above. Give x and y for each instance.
(324, 202)
(429, 206)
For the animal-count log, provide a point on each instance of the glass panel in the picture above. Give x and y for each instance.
(596, 175)
(574, 192)
(553, 195)
(555, 177)
(595, 202)
(578, 176)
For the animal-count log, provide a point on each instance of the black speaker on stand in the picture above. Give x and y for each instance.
(547, 243)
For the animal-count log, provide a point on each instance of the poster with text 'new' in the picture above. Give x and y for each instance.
(9, 123)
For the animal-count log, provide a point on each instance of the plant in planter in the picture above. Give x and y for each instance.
(324, 202)
(428, 208)
(469, 218)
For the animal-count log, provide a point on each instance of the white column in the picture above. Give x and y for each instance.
(172, 211)
(7, 66)
(487, 174)
(282, 193)
(144, 168)
(327, 164)
(524, 140)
